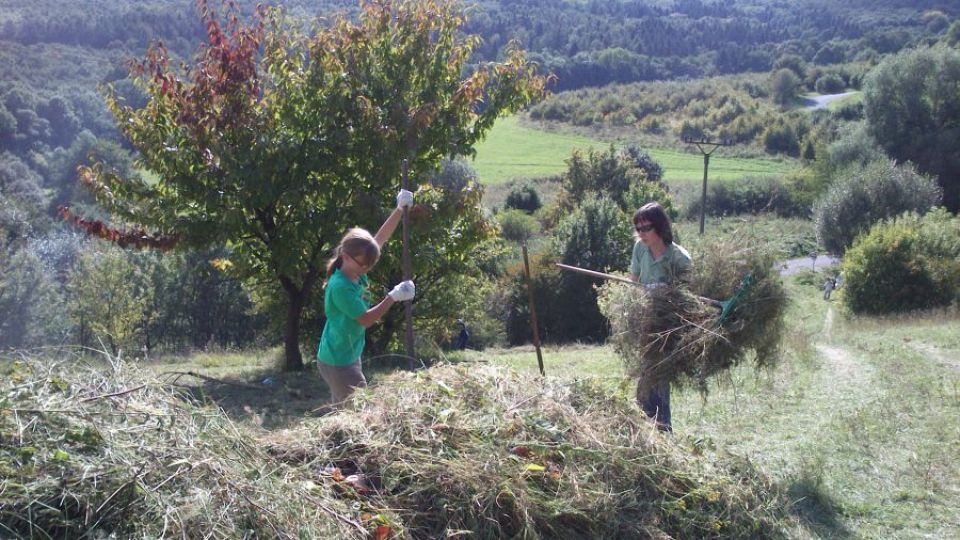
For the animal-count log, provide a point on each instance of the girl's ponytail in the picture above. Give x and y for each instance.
(335, 262)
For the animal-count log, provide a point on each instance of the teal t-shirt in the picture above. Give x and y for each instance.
(671, 266)
(343, 338)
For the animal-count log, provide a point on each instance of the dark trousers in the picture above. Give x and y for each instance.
(656, 405)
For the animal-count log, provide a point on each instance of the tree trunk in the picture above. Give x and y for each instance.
(291, 332)
(297, 298)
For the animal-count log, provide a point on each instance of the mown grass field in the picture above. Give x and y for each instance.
(513, 151)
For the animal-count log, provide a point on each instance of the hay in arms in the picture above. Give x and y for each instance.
(430, 454)
(670, 334)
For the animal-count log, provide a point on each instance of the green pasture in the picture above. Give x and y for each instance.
(513, 151)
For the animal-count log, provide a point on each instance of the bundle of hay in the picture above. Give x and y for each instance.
(673, 334)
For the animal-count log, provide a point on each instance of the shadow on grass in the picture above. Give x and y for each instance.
(816, 509)
(270, 398)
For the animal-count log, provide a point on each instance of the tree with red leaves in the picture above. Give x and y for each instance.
(274, 140)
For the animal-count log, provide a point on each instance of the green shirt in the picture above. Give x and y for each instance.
(672, 265)
(343, 338)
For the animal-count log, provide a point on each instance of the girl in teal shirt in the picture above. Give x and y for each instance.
(347, 307)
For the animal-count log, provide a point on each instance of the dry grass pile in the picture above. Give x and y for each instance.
(87, 451)
(671, 334)
(469, 450)
(489, 453)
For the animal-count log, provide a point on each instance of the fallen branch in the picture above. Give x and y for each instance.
(115, 394)
(211, 379)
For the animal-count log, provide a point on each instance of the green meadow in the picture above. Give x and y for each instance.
(513, 151)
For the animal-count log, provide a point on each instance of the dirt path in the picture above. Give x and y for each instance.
(842, 375)
(819, 102)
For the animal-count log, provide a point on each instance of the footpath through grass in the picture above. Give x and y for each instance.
(513, 151)
(860, 424)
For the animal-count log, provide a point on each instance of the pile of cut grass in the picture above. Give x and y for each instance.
(431, 454)
(670, 334)
(88, 450)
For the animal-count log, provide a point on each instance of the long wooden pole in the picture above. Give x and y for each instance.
(612, 277)
(596, 274)
(407, 272)
(533, 310)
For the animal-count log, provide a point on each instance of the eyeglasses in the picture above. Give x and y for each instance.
(644, 228)
(360, 264)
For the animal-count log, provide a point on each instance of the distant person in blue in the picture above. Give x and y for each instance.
(462, 337)
(656, 262)
(828, 286)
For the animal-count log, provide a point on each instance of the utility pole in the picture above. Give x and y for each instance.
(706, 148)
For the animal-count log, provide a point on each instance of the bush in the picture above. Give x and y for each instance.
(781, 138)
(750, 195)
(516, 226)
(865, 195)
(910, 262)
(630, 178)
(595, 236)
(830, 83)
(524, 198)
(640, 193)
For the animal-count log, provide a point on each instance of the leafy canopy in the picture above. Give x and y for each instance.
(274, 140)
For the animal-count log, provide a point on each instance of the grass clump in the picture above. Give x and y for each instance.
(673, 334)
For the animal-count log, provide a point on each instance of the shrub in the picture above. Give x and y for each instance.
(637, 157)
(865, 195)
(596, 236)
(640, 193)
(910, 262)
(781, 138)
(830, 83)
(517, 226)
(750, 195)
(629, 178)
(523, 197)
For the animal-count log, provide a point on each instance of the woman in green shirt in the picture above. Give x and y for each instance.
(346, 304)
(656, 262)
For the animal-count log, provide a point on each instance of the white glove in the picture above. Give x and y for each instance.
(404, 199)
(405, 290)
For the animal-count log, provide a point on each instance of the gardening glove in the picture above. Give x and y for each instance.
(404, 291)
(404, 199)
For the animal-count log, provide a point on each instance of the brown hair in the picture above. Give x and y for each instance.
(356, 243)
(654, 214)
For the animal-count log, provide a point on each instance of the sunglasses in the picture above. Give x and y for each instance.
(644, 228)
(360, 264)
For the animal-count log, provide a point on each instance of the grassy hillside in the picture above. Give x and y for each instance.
(513, 150)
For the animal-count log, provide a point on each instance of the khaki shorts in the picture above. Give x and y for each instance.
(342, 380)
